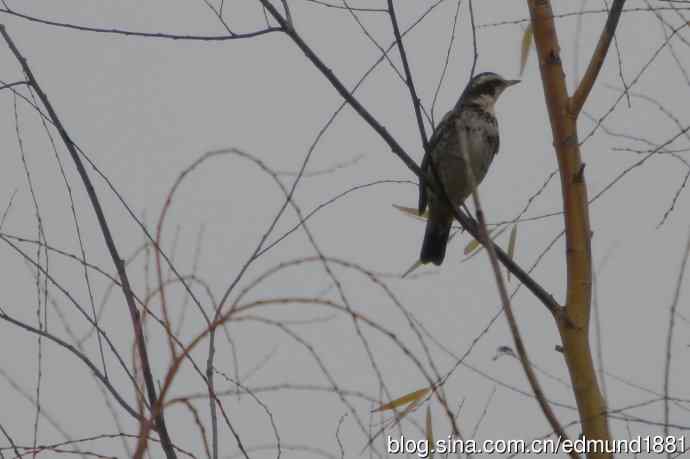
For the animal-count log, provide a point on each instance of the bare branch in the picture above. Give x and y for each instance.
(339, 7)
(505, 300)
(669, 335)
(578, 99)
(134, 33)
(467, 222)
(77, 353)
(110, 243)
(573, 325)
(408, 76)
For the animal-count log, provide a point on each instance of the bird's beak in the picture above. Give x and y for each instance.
(512, 82)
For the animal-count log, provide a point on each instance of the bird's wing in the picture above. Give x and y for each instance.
(441, 128)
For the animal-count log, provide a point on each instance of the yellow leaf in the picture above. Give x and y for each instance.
(412, 212)
(511, 244)
(429, 430)
(475, 245)
(416, 265)
(404, 400)
(471, 246)
(525, 47)
(394, 421)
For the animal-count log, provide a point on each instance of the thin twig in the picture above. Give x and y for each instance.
(669, 335)
(166, 443)
(134, 33)
(445, 62)
(415, 103)
(578, 99)
(467, 222)
(475, 51)
(576, 14)
(78, 354)
(505, 300)
(408, 77)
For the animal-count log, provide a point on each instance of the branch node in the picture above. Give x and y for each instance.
(553, 58)
(564, 319)
(570, 141)
(579, 177)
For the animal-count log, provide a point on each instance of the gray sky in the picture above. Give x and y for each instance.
(144, 109)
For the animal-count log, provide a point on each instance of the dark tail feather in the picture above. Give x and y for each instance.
(435, 240)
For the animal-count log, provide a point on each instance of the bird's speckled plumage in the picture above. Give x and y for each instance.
(473, 114)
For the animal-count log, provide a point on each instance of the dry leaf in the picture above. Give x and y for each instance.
(395, 420)
(404, 400)
(416, 265)
(429, 431)
(474, 245)
(412, 212)
(525, 47)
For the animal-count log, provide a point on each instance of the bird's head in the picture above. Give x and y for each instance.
(484, 89)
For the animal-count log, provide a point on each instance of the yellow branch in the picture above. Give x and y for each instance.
(575, 326)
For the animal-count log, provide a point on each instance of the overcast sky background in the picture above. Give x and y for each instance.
(144, 109)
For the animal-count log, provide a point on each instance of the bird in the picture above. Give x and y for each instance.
(445, 160)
